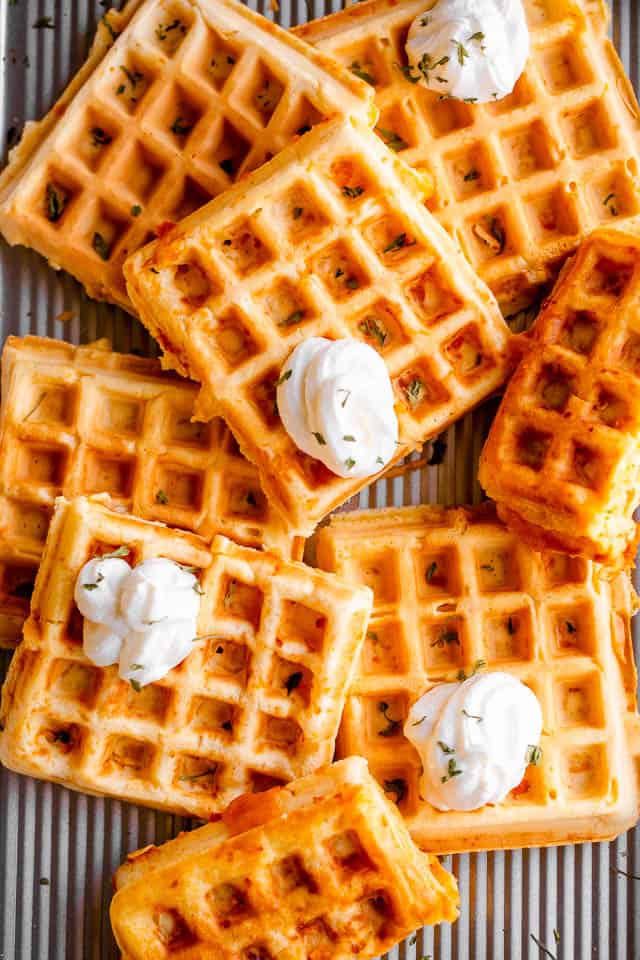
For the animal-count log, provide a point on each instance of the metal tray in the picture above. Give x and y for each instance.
(58, 849)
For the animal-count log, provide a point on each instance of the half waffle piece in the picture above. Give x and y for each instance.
(84, 420)
(178, 99)
(521, 181)
(456, 591)
(562, 458)
(323, 868)
(329, 239)
(256, 703)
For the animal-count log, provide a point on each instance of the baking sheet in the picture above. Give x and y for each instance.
(58, 849)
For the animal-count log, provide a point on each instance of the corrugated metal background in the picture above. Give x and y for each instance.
(58, 849)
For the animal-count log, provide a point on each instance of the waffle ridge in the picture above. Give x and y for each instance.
(455, 590)
(82, 420)
(256, 703)
(561, 459)
(179, 98)
(328, 239)
(521, 181)
(323, 868)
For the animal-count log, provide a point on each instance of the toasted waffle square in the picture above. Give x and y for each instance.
(322, 868)
(256, 703)
(521, 181)
(328, 239)
(82, 420)
(178, 99)
(455, 591)
(562, 458)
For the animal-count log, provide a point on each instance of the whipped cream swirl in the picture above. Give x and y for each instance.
(472, 51)
(336, 402)
(143, 619)
(475, 739)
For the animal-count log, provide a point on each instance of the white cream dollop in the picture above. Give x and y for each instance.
(474, 51)
(474, 738)
(336, 402)
(143, 619)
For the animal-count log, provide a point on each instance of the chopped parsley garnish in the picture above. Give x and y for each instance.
(99, 137)
(471, 716)
(533, 755)
(321, 440)
(556, 935)
(407, 73)
(478, 35)
(136, 210)
(472, 174)
(397, 787)
(380, 461)
(119, 552)
(478, 665)
(198, 589)
(453, 770)
(283, 379)
(398, 243)
(180, 128)
(447, 637)
(349, 463)
(293, 681)
(162, 31)
(431, 571)
(293, 318)
(209, 772)
(135, 684)
(416, 723)
(414, 391)
(372, 328)
(357, 69)
(136, 666)
(227, 166)
(347, 394)
(461, 51)
(44, 23)
(349, 438)
(392, 725)
(610, 202)
(94, 586)
(427, 65)
(392, 139)
(373, 636)
(161, 497)
(352, 192)
(445, 747)
(352, 283)
(492, 234)
(100, 245)
(56, 202)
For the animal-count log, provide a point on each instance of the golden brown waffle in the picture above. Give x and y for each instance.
(562, 456)
(190, 96)
(323, 868)
(329, 239)
(256, 703)
(80, 420)
(453, 588)
(519, 182)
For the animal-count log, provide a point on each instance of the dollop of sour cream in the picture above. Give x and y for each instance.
(474, 51)
(475, 739)
(144, 619)
(336, 402)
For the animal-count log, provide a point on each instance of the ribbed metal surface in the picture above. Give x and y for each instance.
(58, 849)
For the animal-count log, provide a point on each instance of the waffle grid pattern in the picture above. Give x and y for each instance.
(562, 453)
(327, 240)
(454, 590)
(521, 181)
(83, 420)
(189, 98)
(257, 703)
(327, 878)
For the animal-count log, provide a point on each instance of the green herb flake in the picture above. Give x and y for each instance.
(161, 497)
(471, 716)
(431, 571)
(478, 35)
(471, 175)
(445, 747)
(397, 787)
(478, 665)
(352, 283)
(556, 935)
(136, 210)
(100, 245)
(320, 439)
(292, 319)
(94, 586)
(453, 770)
(427, 65)
(181, 129)
(56, 203)
(209, 772)
(283, 379)
(407, 72)
(412, 940)
(392, 139)
(119, 552)
(392, 725)
(293, 681)
(136, 666)
(363, 74)
(461, 51)
(347, 394)
(415, 391)
(533, 755)
(349, 438)
(163, 31)
(398, 243)
(373, 329)
(135, 684)
(352, 192)
(349, 463)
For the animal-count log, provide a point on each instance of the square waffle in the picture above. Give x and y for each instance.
(562, 458)
(82, 420)
(328, 239)
(256, 703)
(179, 98)
(323, 868)
(521, 181)
(455, 590)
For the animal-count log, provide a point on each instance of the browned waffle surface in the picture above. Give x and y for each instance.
(562, 457)
(256, 703)
(322, 868)
(455, 590)
(329, 239)
(519, 182)
(178, 99)
(82, 420)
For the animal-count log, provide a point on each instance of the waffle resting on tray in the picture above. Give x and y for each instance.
(321, 868)
(455, 591)
(178, 99)
(256, 703)
(521, 181)
(83, 420)
(562, 458)
(328, 239)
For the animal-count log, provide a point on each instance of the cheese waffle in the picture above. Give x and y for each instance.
(455, 590)
(256, 703)
(323, 868)
(562, 458)
(328, 239)
(519, 182)
(81, 420)
(179, 98)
